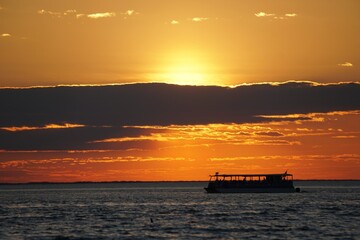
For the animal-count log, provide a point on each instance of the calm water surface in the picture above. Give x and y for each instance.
(324, 210)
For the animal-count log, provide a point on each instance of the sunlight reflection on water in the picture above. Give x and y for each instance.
(177, 210)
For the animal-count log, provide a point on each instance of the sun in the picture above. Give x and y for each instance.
(185, 75)
(183, 70)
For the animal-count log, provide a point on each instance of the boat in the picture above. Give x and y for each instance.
(251, 183)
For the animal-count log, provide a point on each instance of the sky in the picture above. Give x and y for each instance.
(171, 90)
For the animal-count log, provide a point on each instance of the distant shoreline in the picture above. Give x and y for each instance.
(91, 182)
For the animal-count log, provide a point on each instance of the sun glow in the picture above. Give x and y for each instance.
(185, 75)
(184, 70)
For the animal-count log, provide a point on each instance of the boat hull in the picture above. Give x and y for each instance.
(250, 190)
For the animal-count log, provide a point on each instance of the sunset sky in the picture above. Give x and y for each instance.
(114, 90)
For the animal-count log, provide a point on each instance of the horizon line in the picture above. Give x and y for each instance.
(155, 181)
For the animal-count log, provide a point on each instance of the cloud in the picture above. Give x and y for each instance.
(46, 12)
(270, 134)
(6, 35)
(67, 13)
(194, 19)
(344, 137)
(43, 11)
(75, 13)
(101, 15)
(130, 12)
(166, 104)
(263, 14)
(48, 126)
(275, 16)
(80, 15)
(137, 115)
(346, 64)
(70, 12)
(75, 138)
(307, 157)
(24, 163)
(199, 19)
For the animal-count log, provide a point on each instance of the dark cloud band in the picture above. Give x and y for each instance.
(102, 111)
(163, 104)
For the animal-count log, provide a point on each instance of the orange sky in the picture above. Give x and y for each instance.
(223, 43)
(183, 41)
(326, 146)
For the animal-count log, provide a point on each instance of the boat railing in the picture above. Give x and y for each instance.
(251, 178)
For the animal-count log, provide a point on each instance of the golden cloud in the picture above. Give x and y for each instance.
(263, 14)
(48, 126)
(346, 64)
(101, 15)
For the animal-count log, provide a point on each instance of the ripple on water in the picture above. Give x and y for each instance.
(181, 213)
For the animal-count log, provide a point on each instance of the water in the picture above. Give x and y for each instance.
(325, 210)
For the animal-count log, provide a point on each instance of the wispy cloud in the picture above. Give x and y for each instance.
(263, 14)
(67, 13)
(194, 19)
(275, 16)
(46, 12)
(48, 126)
(270, 134)
(344, 136)
(6, 35)
(70, 11)
(101, 15)
(346, 64)
(130, 12)
(24, 163)
(80, 15)
(75, 13)
(126, 14)
(329, 157)
(199, 19)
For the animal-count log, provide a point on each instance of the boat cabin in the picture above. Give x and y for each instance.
(251, 183)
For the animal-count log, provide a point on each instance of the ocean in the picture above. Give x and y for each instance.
(178, 210)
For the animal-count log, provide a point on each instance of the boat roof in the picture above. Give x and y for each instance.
(251, 175)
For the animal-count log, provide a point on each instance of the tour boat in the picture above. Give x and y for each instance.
(251, 183)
